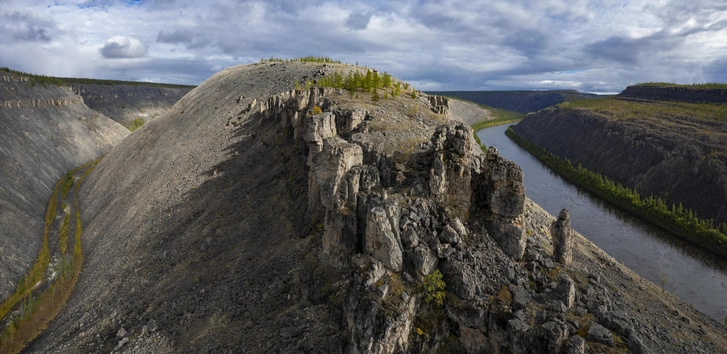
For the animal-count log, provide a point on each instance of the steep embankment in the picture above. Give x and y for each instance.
(677, 151)
(257, 218)
(468, 112)
(518, 101)
(125, 102)
(46, 131)
(707, 93)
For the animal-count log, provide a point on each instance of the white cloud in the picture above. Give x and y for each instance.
(118, 47)
(604, 45)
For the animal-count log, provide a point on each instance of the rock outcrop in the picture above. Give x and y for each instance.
(363, 228)
(562, 235)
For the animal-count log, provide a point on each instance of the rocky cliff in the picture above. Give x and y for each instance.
(125, 102)
(680, 158)
(246, 220)
(518, 101)
(46, 131)
(675, 93)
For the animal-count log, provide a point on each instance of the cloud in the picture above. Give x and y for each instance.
(25, 27)
(118, 47)
(450, 44)
(175, 37)
(358, 20)
(189, 39)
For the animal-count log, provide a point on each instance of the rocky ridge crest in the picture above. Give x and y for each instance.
(281, 230)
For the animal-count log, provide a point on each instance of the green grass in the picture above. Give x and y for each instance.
(40, 310)
(435, 289)
(695, 86)
(678, 220)
(67, 183)
(39, 79)
(136, 124)
(632, 110)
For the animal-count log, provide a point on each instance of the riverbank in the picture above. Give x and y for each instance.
(681, 267)
(678, 220)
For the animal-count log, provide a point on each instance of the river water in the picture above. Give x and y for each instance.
(695, 276)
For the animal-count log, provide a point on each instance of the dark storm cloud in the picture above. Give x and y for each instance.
(175, 37)
(23, 27)
(358, 20)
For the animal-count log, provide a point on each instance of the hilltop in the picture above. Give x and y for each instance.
(257, 217)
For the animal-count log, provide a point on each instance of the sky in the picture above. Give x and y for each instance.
(585, 45)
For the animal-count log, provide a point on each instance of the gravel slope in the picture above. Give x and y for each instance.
(45, 132)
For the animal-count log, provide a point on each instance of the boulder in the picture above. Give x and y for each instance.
(600, 334)
(566, 290)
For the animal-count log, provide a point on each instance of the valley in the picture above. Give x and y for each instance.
(256, 215)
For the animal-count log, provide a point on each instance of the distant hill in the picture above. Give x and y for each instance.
(130, 103)
(519, 101)
(664, 91)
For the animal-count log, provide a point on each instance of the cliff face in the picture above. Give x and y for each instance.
(681, 94)
(240, 221)
(46, 131)
(679, 159)
(518, 101)
(124, 103)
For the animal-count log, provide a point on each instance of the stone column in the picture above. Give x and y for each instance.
(563, 235)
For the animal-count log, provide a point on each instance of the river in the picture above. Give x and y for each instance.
(697, 277)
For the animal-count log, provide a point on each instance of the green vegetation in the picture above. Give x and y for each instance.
(494, 122)
(356, 81)
(434, 288)
(63, 232)
(695, 86)
(317, 110)
(306, 59)
(675, 218)
(136, 124)
(631, 110)
(35, 79)
(35, 275)
(38, 310)
(67, 183)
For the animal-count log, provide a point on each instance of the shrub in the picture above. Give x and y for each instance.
(317, 110)
(434, 288)
(136, 124)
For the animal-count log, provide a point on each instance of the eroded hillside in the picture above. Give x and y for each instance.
(253, 217)
(46, 131)
(127, 102)
(673, 150)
